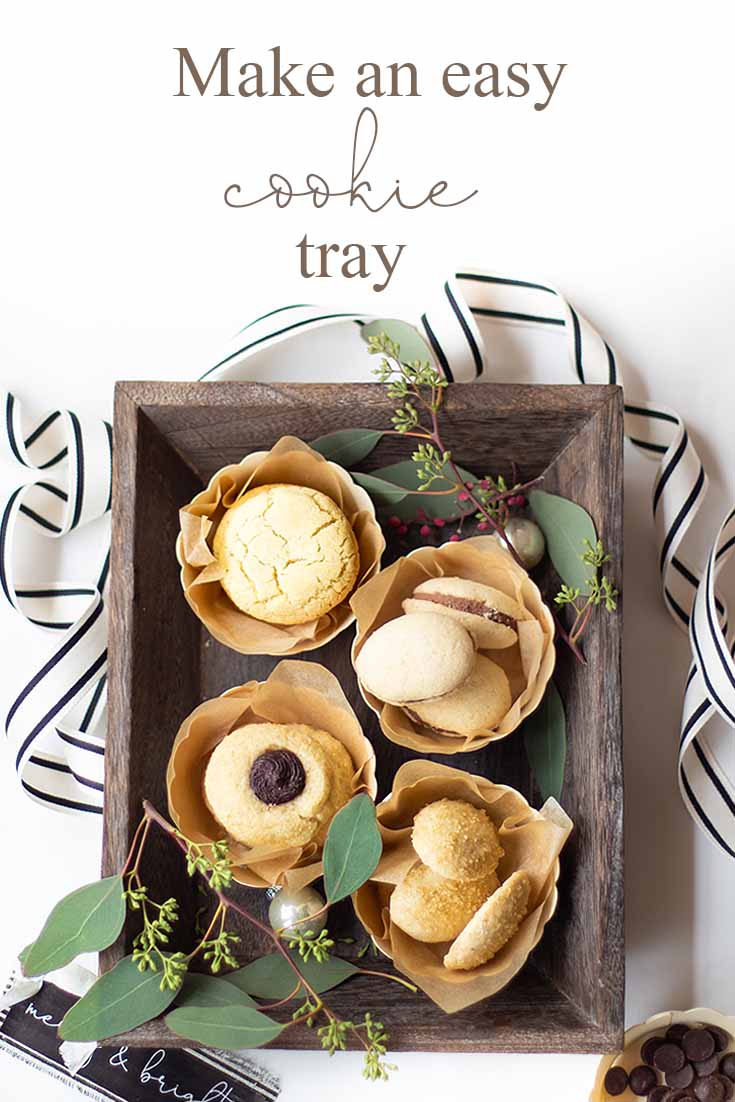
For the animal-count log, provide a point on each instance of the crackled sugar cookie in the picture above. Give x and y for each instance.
(277, 784)
(456, 840)
(289, 554)
(431, 908)
(494, 923)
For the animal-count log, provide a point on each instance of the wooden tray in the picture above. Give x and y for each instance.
(169, 439)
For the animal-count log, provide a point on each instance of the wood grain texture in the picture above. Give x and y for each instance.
(169, 439)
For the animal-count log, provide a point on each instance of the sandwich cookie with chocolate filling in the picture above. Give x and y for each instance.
(490, 616)
(415, 658)
(476, 706)
(277, 784)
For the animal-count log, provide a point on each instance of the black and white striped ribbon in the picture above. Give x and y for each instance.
(449, 325)
(56, 722)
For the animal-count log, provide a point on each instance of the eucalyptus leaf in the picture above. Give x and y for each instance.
(118, 1001)
(84, 921)
(413, 346)
(347, 446)
(406, 475)
(202, 990)
(545, 737)
(384, 494)
(566, 526)
(271, 977)
(228, 1027)
(352, 849)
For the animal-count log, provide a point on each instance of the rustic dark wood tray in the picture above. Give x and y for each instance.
(169, 439)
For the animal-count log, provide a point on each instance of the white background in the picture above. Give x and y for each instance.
(120, 260)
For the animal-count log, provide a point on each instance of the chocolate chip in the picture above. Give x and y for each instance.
(684, 1077)
(642, 1079)
(277, 777)
(676, 1032)
(709, 1090)
(669, 1058)
(698, 1044)
(708, 1066)
(721, 1036)
(616, 1081)
(728, 1086)
(727, 1065)
(648, 1048)
(659, 1094)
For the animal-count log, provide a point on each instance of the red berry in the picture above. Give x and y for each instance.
(403, 528)
(439, 522)
(483, 526)
(424, 530)
(469, 485)
(454, 538)
(485, 484)
(395, 522)
(463, 496)
(420, 514)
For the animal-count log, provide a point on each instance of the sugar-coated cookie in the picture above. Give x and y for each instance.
(494, 924)
(289, 554)
(477, 705)
(456, 840)
(276, 784)
(490, 615)
(415, 658)
(431, 908)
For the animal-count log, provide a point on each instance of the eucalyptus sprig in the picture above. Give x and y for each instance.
(217, 868)
(310, 945)
(598, 591)
(219, 1012)
(419, 387)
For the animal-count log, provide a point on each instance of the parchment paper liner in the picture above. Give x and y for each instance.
(292, 461)
(630, 1057)
(295, 692)
(528, 664)
(532, 840)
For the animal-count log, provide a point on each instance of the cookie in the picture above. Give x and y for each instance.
(341, 790)
(289, 554)
(476, 706)
(276, 784)
(487, 613)
(456, 840)
(415, 658)
(494, 924)
(431, 908)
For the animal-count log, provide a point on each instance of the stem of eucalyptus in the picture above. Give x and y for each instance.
(225, 903)
(571, 641)
(155, 816)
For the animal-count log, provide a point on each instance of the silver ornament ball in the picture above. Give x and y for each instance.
(291, 910)
(527, 540)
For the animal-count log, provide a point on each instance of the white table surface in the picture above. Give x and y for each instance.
(121, 261)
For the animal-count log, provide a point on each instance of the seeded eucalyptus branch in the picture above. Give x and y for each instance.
(599, 591)
(92, 918)
(419, 388)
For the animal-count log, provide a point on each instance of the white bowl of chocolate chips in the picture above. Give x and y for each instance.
(686, 1056)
